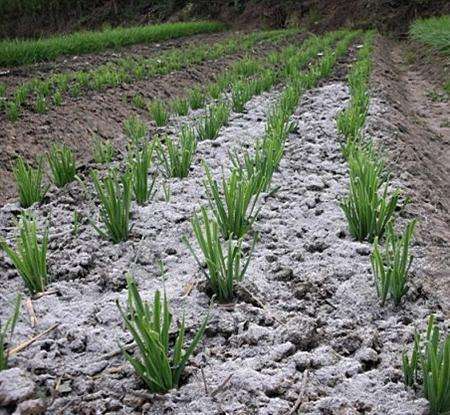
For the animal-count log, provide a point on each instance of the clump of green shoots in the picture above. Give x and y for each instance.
(103, 151)
(391, 267)
(180, 106)
(139, 166)
(114, 194)
(235, 207)
(30, 255)
(138, 101)
(196, 98)
(214, 90)
(241, 94)
(13, 111)
(158, 112)
(7, 331)
(135, 129)
(175, 159)
(214, 119)
(62, 164)
(429, 365)
(224, 268)
(29, 182)
(157, 366)
(368, 208)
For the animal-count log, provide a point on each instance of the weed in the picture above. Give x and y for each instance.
(57, 98)
(158, 112)
(224, 268)
(214, 119)
(431, 360)
(29, 183)
(62, 164)
(391, 267)
(160, 369)
(114, 195)
(30, 255)
(12, 111)
(138, 101)
(139, 167)
(175, 159)
(7, 331)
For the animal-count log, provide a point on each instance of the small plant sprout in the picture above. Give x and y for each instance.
(214, 90)
(62, 164)
(176, 159)
(225, 268)
(12, 111)
(139, 165)
(180, 106)
(429, 365)
(158, 366)
(391, 267)
(158, 112)
(135, 129)
(241, 93)
(29, 183)
(114, 195)
(216, 117)
(196, 98)
(7, 331)
(167, 191)
(234, 209)
(138, 101)
(368, 209)
(103, 151)
(40, 105)
(30, 255)
(76, 223)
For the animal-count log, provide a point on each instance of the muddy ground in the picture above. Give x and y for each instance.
(78, 120)
(306, 330)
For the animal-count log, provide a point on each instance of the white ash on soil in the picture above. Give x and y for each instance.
(308, 306)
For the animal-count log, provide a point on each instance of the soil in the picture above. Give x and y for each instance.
(78, 120)
(306, 330)
(414, 130)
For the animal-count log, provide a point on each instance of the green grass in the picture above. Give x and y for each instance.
(434, 32)
(225, 267)
(196, 98)
(159, 365)
(368, 208)
(114, 195)
(179, 106)
(20, 52)
(391, 267)
(241, 93)
(210, 124)
(62, 164)
(233, 204)
(103, 151)
(139, 166)
(30, 255)
(158, 112)
(176, 159)
(135, 129)
(7, 331)
(29, 182)
(429, 365)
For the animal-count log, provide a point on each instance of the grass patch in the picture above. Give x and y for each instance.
(211, 123)
(434, 32)
(103, 151)
(29, 182)
(30, 255)
(135, 129)
(62, 164)
(158, 112)
(158, 366)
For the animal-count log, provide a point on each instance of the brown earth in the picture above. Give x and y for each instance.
(419, 148)
(78, 120)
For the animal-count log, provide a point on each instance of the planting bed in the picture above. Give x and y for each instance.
(305, 332)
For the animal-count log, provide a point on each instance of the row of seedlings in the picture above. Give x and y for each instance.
(370, 211)
(40, 94)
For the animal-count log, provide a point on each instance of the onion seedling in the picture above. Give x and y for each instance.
(158, 112)
(7, 331)
(103, 151)
(210, 124)
(135, 129)
(180, 106)
(196, 98)
(62, 164)
(139, 166)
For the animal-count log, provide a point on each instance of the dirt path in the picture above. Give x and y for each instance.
(413, 126)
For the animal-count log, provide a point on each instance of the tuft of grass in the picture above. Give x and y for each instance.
(429, 365)
(180, 106)
(196, 98)
(62, 164)
(224, 268)
(158, 366)
(139, 166)
(210, 124)
(234, 207)
(114, 194)
(214, 90)
(241, 93)
(12, 111)
(135, 129)
(158, 112)
(30, 255)
(29, 182)
(7, 331)
(103, 151)
(138, 101)
(433, 31)
(175, 159)
(368, 208)
(41, 104)
(391, 267)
